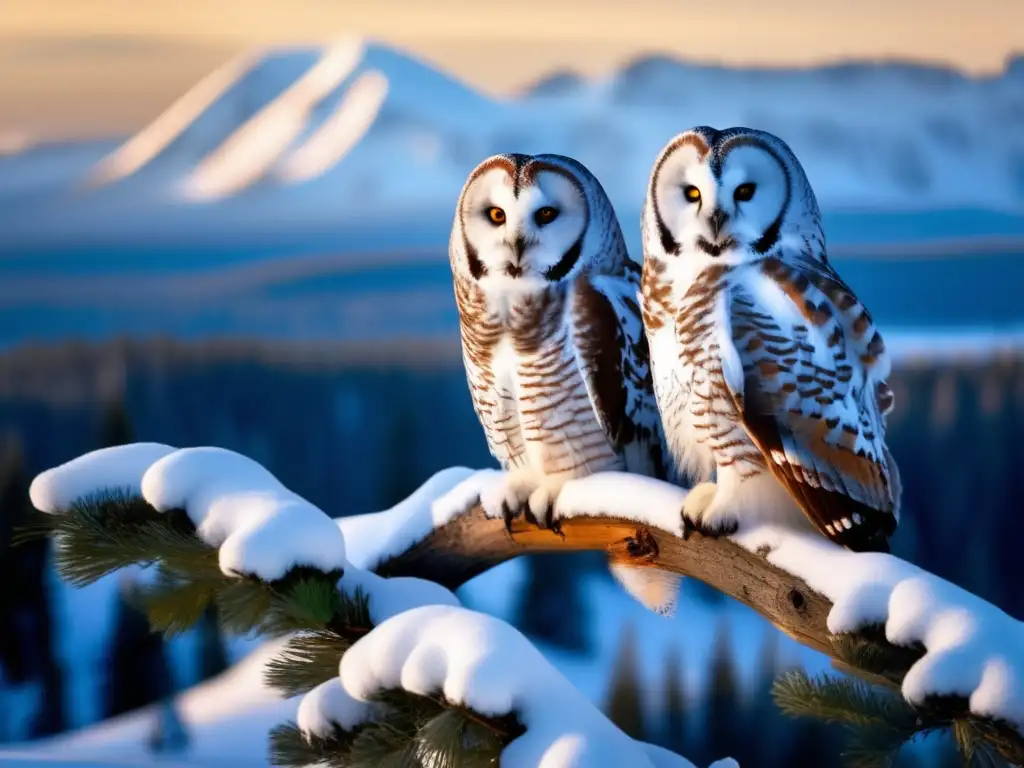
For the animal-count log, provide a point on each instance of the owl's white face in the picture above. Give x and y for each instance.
(524, 223)
(720, 199)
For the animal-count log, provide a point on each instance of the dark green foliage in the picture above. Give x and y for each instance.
(105, 532)
(624, 706)
(880, 723)
(120, 530)
(307, 660)
(409, 731)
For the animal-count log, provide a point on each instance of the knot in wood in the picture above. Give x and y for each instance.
(797, 600)
(642, 545)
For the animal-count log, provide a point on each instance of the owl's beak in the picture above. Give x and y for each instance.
(717, 220)
(519, 248)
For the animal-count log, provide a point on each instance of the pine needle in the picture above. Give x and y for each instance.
(289, 748)
(307, 661)
(873, 746)
(841, 700)
(454, 740)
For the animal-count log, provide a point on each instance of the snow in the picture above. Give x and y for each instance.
(374, 537)
(328, 706)
(120, 467)
(341, 131)
(260, 527)
(250, 151)
(486, 665)
(972, 649)
(426, 642)
(390, 597)
(154, 138)
(619, 494)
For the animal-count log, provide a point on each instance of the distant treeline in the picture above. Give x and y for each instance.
(355, 429)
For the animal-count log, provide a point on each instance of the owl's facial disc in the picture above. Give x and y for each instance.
(532, 235)
(753, 189)
(712, 210)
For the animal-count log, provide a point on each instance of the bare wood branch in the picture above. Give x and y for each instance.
(473, 543)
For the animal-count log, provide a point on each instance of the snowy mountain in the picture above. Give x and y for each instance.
(321, 135)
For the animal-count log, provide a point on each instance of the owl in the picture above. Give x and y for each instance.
(553, 344)
(769, 373)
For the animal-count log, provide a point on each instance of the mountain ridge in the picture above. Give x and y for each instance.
(323, 136)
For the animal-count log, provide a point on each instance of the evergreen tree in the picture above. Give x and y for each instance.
(551, 606)
(168, 734)
(137, 672)
(625, 701)
(813, 745)
(212, 655)
(763, 722)
(397, 466)
(116, 428)
(674, 731)
(723, 712)
(27, 645)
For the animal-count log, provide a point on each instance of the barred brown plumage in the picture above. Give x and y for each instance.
(770, 374)
(553, 344)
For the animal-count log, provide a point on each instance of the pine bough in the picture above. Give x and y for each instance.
(393, 671)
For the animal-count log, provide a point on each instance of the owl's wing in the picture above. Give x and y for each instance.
(615, 359)
(810, 398)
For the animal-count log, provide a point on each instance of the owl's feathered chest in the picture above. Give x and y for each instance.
(528, 366)
(689, 333)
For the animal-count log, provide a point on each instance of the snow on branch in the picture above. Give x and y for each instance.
(483, 664)
(417, 671)
(949, 651)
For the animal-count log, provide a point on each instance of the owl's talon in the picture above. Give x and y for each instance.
(508, 516)
(553, 523)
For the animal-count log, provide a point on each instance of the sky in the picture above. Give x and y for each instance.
(105, 67)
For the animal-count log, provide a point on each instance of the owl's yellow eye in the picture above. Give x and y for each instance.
(496, 215)
(691, 193)
(744, 192)
(545, 215)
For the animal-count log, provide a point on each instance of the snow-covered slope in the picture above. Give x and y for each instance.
(379, 126)
(285, 117)
(359, 130)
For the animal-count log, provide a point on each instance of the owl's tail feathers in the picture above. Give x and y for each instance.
(655, 588)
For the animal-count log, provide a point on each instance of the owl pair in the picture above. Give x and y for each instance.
(735, 352)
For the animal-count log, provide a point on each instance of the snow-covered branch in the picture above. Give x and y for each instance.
(951, 654)
(388, 665)
(948, 650)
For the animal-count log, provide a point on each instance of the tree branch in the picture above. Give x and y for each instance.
(473, 543)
